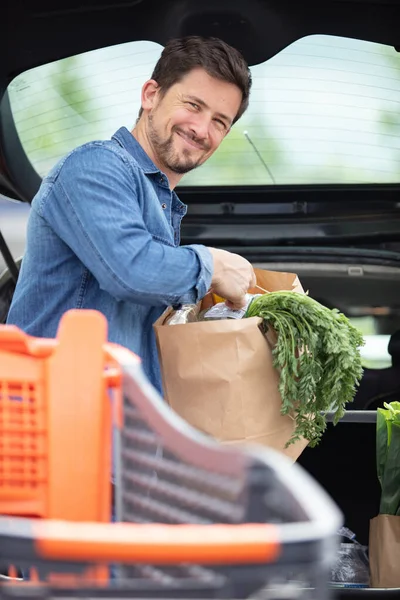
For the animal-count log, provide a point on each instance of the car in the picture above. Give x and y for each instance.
(308, 181)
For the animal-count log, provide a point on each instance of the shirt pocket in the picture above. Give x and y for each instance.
(160, 229)
(167, 240)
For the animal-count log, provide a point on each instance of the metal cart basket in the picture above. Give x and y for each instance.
(195, 519)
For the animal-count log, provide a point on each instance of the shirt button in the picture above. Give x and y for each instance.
(163, 205)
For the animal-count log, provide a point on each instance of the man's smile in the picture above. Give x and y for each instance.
(189, 140)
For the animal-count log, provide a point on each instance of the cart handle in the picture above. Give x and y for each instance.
(139, 543)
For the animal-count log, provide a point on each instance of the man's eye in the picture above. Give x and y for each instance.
(196, 106)
(220, 123)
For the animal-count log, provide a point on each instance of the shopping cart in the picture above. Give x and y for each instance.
(194, 519)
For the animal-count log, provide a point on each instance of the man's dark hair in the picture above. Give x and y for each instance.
(216, 57)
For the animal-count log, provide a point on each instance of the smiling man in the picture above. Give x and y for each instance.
(104, 229)
(183, 126)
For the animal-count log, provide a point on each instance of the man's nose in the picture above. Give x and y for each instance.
(200, 127)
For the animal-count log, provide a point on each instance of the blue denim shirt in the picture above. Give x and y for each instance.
(104, 233)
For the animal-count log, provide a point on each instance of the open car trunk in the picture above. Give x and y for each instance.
(339, 230)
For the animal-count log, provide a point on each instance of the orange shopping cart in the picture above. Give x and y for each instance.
(194, 519)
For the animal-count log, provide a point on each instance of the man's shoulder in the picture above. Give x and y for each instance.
(96, 155)
(85, 164)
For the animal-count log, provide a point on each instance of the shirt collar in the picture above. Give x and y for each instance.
(131, 145)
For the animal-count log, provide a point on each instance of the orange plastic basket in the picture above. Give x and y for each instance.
(23, 446)
(56, 421)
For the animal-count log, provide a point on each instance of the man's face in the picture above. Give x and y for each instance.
(187, 124)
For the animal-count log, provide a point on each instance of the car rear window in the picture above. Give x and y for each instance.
(323, 110)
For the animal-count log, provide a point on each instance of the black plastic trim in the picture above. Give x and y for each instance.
(20, 180)
(354, 416)
(318, 254)
(360, 193)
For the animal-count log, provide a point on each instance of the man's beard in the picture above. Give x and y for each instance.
(179, 163)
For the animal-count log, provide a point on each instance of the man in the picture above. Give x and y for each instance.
(104, 227)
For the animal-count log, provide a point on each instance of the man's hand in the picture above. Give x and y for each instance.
(233, 276)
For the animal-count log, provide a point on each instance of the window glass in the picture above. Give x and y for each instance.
(323, 110)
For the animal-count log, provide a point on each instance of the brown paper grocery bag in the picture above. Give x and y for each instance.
(384, 551)
(218, 376)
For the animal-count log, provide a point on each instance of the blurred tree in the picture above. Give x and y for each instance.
(251, 159)
(53, 111)
(390, 119)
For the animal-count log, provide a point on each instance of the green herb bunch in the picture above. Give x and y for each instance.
(317, 355)
(388, 457)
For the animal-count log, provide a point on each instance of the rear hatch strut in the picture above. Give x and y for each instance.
(8, 258)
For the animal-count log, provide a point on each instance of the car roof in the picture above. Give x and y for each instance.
(41, 31)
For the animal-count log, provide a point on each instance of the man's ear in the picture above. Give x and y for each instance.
(149, 94)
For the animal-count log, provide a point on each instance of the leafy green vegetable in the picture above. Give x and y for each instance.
(317, 355)
(388, 457)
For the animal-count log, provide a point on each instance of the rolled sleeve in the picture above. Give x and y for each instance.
(205, 275)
